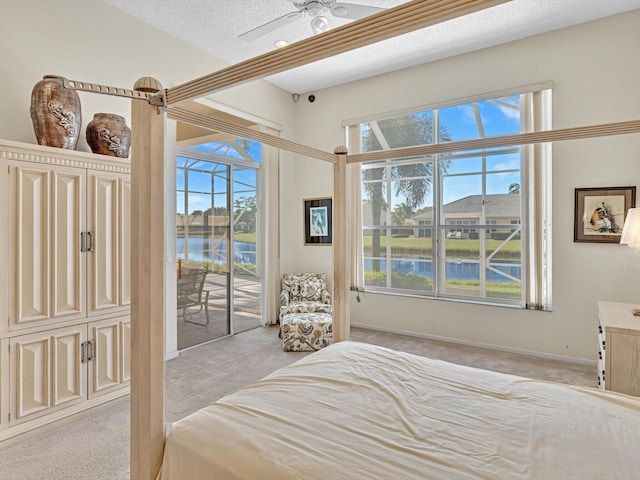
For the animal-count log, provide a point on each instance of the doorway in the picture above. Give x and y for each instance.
(218, 234)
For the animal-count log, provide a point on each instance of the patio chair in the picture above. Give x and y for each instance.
(191, 293)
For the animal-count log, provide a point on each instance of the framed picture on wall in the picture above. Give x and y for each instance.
(600, 213)
(317, 221)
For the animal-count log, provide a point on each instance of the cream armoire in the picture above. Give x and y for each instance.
(65, 287)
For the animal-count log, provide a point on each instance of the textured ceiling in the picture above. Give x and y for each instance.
(214, 26)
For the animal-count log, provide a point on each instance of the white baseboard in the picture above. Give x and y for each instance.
(171, 355)
(458, 341)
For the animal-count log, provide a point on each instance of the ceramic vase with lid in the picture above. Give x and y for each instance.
(108, 134)
(55, 113)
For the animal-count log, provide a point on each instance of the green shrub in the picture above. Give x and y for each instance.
(504, 235)
(405, 281)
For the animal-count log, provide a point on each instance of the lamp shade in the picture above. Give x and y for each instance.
(631, 229)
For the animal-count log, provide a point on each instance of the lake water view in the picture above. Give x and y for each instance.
(455, 269)
(215, 251)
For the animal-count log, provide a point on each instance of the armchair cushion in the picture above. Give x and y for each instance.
(305, 307)
(304, 293)
(305, 287)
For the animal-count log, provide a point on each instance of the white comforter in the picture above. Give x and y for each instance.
(356, 411)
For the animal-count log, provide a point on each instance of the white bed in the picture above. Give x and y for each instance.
(357, 411)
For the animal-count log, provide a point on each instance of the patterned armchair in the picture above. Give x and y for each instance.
(304, 293)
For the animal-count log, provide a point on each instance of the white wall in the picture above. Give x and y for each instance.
(595, 70)
(596, 74)
(90, 41)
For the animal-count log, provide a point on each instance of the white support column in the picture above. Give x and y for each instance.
(341, 263)
(148, 289)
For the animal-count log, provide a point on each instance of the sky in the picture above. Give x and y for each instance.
(200, 182)
(496, 117)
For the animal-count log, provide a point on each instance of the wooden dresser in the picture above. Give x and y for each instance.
(64, 283)
(619, 348)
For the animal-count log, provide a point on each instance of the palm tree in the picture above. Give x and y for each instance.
(401, 213)
(412, 181)
(514, 188)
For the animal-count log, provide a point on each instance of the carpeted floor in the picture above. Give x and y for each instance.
(96, 446)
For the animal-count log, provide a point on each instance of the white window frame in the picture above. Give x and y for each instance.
(535, 194)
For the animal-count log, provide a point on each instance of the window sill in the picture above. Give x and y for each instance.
(455, 299)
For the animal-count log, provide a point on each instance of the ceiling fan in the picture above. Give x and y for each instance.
(316, 9)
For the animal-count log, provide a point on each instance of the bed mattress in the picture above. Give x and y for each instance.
(357, 411)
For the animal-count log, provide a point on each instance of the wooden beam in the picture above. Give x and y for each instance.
(574, 133)
(217, 125)
(341, 264)
(393, 22)
(148, 292)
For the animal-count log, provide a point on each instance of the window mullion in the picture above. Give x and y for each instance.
(482, 257)
(388, 236)
(437, 259)
(186, 212)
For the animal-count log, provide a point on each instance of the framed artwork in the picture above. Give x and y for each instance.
(317, 221)
(600, 213)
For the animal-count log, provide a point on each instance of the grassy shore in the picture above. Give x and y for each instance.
(411, 246)
(458, 247)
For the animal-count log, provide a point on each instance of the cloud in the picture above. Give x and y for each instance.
(510, 113)
(468, 115)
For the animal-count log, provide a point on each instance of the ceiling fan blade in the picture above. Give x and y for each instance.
(353, 11)
(270, 26)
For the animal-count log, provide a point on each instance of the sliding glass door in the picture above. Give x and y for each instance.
(246, 290)
(217, 234)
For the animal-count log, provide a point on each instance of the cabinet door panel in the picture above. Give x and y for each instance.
(67, 259)
(4, 383)
(32, 244)
(46, 372)
(125, 351)
(104, 228)
(69, 373)
(49, 267)
(125, 242)
(31, 373)
(105, 363)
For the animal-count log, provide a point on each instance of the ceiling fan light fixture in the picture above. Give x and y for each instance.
(314, 7)
(319, 24)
